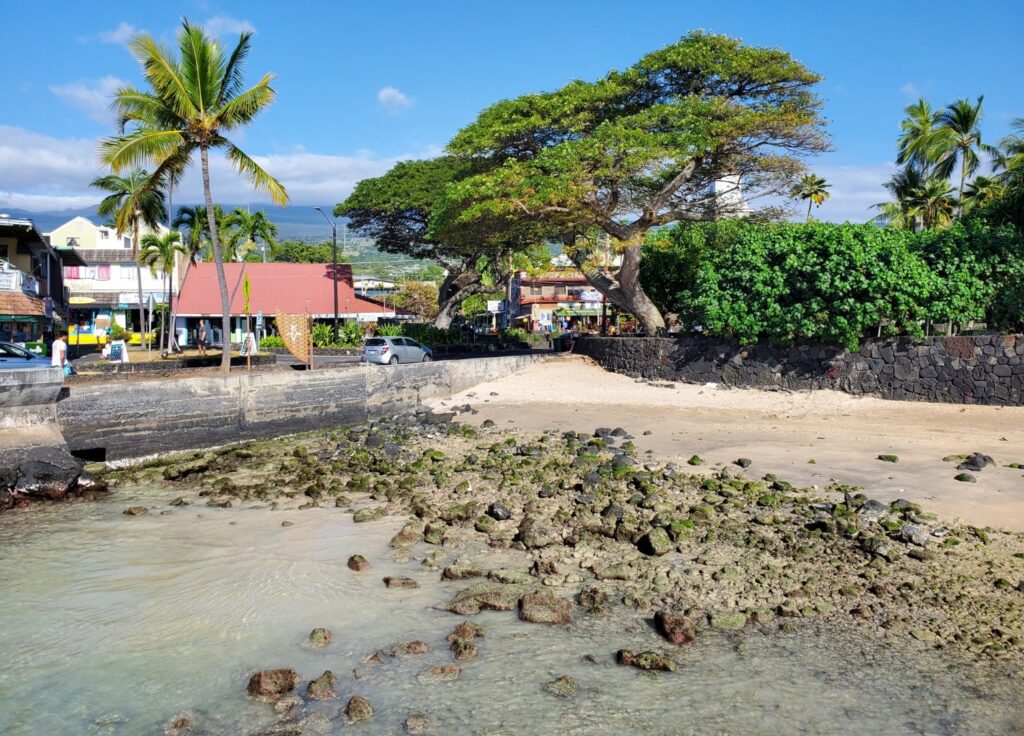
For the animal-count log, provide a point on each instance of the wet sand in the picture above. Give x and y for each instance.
(781, 432)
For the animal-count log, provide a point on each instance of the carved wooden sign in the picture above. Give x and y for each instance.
(297, 333)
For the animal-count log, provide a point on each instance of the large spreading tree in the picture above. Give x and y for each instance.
(675, 137)
(402, 211)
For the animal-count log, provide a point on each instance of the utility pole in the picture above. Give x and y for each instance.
(334, 266)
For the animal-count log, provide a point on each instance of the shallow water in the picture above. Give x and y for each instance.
(113, 624)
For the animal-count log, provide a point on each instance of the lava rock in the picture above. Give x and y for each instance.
(674, 626)
(498, 512)
(564, 687)
(322, 688)
(442, 673)
(400, 582)
(272, 684)
(744, 462)
(358, 563)
(545, 608)
(319, 638)
(535, 534)
(913, 534)
(135, 511)
(655, 543)
(358, 709)
(649, 660)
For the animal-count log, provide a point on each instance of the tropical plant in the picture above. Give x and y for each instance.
(419, 298)
(195, 98)
(914, 142)
(1011, 155)
(134, 200)
(919, 201)
(323, 335)
(252, 228)
(932, 203)
(386, 330)
(160, 253)
(982, 191)
(812, 188)
(272, 341)
(957, 140)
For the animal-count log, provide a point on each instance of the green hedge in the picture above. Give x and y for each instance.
(834, 283)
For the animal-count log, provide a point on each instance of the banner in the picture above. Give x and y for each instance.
(297, 334)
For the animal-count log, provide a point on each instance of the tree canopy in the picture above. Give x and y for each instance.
(642, 148)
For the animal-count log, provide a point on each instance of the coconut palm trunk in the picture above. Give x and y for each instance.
(138, 273)
(218, 262)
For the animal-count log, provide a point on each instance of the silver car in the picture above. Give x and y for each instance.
(384, 350)
(15, 356)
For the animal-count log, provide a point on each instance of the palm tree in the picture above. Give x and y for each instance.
(812, 188)
(134, 200)
(918, 128)
(957, 139)
(899, 212)
(253, 227)
(933, 204)
(1011, 157)
(195, 99)
(982, 190)
(160, 253)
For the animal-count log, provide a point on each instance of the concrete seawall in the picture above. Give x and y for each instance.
(130, 419)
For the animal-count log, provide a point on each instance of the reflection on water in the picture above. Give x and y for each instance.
(112, 624)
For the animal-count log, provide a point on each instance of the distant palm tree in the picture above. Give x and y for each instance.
(160, 253)
(933, 204)
(193, 221)
(1011, 157)
(812, 188)
(982, 190)
(253, 227)
(134, 201)
(194, 100)
(957, 139)
(899, 211)
(918, 128)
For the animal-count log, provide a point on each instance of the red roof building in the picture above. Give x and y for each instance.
(292, 288)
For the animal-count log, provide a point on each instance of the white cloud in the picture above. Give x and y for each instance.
(93, 97)
(394, 100)
(910, 90)
(42, 173)
(221, 25)
(121, 34)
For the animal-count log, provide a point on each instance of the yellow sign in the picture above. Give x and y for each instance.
(81, 300)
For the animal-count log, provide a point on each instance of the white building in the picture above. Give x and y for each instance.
(105, 291)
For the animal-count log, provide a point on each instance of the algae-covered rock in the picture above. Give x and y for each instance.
(484, 596)
(370, 513)
(319, 638)
(727, 620)
(442, 673)
(564, 687)
(674, 626)
(652, 661)
(272, 684)
(656, 542)
(545, 608)
(358, 709)
(322, 688)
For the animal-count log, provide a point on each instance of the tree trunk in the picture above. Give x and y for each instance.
(455, 289)
(809, 203)
(960, 196)
(218, 262)
(623, 289)
(138, 273)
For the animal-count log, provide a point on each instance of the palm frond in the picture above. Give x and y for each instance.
(141, 146)
(163, 74)
(245, 106)
(232, 73)
(260, 180)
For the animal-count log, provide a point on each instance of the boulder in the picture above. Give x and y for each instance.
(484, 596)
(545, 608)
(48, 472)
(272, 684)
(674, 626)
(322, 688)
(319, 638)
(655, 543)
(913, 534)
(400, 582)
(498, 512)
(135, 511)
(358, 709)
(649, 660)
(535, 534)
(358, 563)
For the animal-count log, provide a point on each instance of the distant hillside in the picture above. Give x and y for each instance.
(296, 222)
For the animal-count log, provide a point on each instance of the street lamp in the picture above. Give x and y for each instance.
(334, 267)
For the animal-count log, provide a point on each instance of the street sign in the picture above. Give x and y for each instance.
(590, 295)
(495, 305)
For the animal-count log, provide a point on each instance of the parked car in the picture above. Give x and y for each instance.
(14, 356)
(384, 350)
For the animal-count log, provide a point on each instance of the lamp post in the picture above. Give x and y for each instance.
(334, 267)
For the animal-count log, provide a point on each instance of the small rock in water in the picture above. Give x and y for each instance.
(674, 626)
(564, 687)
(965, 478)
(645, 660)
(443, 673)
(184, 723)
(744, 462)
(358, 709)
(288, 705)
(466, 630)
(319, 638)
(463, 649)
(400, 582)
(358, 563)
(272, 684)
(461, 571)
(135, 511)
(416, 723)
(545, 608)
(889, 458)
(409, 648)
(287, 523)
(322, 688)
(371, 513)
(695, 460)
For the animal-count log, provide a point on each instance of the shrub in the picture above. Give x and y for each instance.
(271, 341)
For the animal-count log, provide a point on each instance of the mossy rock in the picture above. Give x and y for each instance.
(370, 513)
(965, 478)
(695, 460)
(889, 458)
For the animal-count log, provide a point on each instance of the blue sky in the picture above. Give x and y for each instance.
(362, 85)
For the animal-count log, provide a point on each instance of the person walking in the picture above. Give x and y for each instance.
(59, 353)
(203, 337)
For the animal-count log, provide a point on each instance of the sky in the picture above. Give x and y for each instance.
(363, 85)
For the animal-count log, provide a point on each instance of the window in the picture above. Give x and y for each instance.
(559, 289)
(3, 251)
(536, 290)
(72, 242)
(104, 234)
(126, 271)
(126, 242)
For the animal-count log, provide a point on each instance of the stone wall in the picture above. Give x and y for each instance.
(985, 369)
(132, 419)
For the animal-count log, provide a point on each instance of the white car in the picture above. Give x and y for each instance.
(391, 350)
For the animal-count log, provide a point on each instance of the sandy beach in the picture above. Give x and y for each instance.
(782, 433)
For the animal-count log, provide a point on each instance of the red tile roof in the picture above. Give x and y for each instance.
(293, 288)
(20, 304)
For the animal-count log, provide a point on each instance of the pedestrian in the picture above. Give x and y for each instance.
(59, 353)
(202, 337)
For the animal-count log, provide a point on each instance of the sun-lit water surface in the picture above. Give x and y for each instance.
(113, 624)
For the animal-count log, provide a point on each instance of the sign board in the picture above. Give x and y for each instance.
(117, 353)
(29, 285)
(495, 305)
(259, 320)
(590, 296)
(8, 280)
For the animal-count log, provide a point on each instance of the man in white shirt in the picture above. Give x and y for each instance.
(59, 352)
